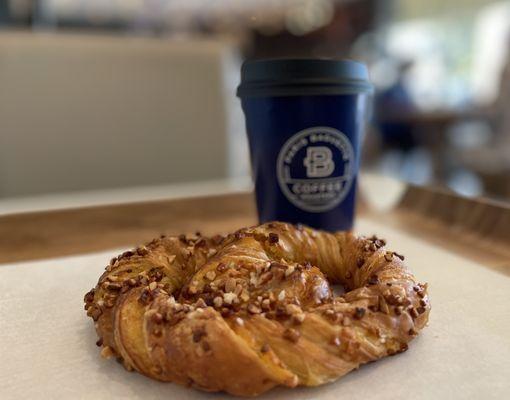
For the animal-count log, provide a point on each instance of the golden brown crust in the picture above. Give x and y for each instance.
(255, 309)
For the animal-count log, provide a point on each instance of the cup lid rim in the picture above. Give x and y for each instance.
(294, 74)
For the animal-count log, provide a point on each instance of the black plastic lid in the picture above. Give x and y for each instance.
(297, 77)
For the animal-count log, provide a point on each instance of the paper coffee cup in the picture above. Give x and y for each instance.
(304, 119)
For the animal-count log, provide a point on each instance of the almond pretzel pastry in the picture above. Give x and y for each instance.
(255, 309)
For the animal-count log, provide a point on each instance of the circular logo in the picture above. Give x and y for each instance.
(315, 168)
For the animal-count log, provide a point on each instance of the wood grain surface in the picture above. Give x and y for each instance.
(30, 236)
(477, 228)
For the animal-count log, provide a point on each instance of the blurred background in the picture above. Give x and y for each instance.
(108, 94)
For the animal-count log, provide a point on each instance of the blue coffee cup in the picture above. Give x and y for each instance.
(305, 119)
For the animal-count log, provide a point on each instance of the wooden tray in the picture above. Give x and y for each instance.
(478, 227)
(47, 343)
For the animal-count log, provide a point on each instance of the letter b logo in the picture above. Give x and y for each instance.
(319, 162)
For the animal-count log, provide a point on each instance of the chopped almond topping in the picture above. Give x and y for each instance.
(265, 304)
(291, 334)
(253, 309)
(201, 303)
(210, 275)
(218, 301)
(107, 352)
(238, 289)
(298, 318)
(229, 298)
(245, 296)
(230, 285)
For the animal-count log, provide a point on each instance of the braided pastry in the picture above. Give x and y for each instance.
(255, 309)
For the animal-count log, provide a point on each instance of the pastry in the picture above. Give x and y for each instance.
(256, 309)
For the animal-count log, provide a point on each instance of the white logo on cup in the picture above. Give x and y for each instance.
(319, 162)
(315, 168)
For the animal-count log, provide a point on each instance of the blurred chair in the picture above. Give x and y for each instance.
(85, 112)
(491, 161)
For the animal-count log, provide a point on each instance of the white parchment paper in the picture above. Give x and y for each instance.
(47, 348)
